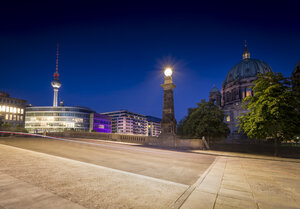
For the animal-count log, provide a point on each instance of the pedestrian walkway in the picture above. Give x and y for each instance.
(247, 183)
(244, 155)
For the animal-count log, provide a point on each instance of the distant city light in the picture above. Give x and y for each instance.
(168, 72)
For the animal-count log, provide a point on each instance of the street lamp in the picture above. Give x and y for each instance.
(168, 71)
(168, 123)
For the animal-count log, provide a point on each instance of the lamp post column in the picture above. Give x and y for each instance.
(168, 123)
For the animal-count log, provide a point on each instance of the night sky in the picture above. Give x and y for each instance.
(112, 54)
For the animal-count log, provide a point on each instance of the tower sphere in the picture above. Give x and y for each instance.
(56, 84)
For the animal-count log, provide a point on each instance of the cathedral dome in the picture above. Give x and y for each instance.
(247, 68)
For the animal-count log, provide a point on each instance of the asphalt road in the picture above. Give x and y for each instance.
(100, 174)
(180, 167)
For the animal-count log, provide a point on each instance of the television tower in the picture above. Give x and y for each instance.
(56, 84)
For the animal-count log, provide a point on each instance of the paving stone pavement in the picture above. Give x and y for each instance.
(234, 182)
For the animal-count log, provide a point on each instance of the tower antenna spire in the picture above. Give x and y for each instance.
(57, 53)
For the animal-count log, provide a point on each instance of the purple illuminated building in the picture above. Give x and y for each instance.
(100, 123)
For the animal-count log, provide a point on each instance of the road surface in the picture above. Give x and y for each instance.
(101, 174)
(86, 173)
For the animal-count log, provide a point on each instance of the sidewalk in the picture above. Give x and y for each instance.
(247, 183)
(244, 155)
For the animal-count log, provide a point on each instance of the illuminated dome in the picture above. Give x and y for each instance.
(247, 68)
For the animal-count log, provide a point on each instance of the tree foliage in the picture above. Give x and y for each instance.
(204, 120)
(8, 127)
(273, 109)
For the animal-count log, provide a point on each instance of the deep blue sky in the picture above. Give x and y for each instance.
(112, 53)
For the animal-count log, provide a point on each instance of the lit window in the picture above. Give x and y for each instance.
(248, 92)
(15, 117)
(22, 111)
(7, 109)
(10, 117)
(6, 116)
(11, 109)
(19, 110)
(18, 117)
(228, 118)
(15, 110)
(21, 117)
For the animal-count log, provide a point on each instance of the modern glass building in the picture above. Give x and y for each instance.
(125, 122)
(12, 110)
(100, 123)
(57, 119)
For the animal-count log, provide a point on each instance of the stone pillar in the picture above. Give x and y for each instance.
(55, 97)
(168, 123)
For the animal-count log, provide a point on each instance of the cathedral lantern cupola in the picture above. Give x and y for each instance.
(246, 54)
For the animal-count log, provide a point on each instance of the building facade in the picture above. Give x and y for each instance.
(100, 123)
(235, 88)
(126, 122)
(57, 119)
(42, 119)
(154, 126)
(12, 110)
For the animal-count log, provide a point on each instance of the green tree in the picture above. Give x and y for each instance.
(272, 109)
(204, 120)
(20, 128)
(6, 127)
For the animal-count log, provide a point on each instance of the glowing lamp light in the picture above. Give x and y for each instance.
(168, 72)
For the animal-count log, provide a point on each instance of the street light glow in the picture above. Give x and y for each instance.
(168, 71)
